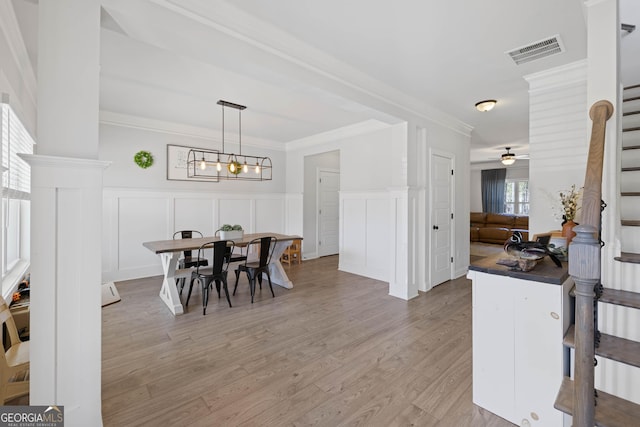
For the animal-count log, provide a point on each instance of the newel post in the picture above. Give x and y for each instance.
(584, 268)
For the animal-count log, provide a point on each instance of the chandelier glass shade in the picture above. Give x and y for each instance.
(219, 165)
(508, 158)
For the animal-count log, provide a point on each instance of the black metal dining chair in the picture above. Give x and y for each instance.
(234, 257)
(188, 261)
(216, 273)
(255, 269)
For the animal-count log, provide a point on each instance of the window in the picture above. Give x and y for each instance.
(16, 189)
(516, 196)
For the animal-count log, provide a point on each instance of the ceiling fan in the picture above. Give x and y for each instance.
(509, 158)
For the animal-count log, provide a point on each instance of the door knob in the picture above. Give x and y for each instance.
(435, 227)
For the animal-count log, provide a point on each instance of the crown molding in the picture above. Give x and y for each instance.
(574, 73)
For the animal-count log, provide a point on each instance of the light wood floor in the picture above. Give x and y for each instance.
(334, 350)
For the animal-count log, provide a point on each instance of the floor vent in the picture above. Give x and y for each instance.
(537, 50)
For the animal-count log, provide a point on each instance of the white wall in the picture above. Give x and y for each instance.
(118, 144)
(382, 217)
(365, 175)
(444, 139)
(365, 160)
(142, 205)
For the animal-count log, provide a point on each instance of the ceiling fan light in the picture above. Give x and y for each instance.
(486, 105)
(508, 159)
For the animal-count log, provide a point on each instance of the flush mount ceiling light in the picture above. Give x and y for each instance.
(216, 165)
(508, 158)
(486, 105)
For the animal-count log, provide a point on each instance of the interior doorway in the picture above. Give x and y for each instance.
(313, 165)
(441, 261)
(328, 186)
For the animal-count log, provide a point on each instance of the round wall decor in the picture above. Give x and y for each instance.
(144, 159)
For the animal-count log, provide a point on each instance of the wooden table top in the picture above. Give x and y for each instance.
(178, 245)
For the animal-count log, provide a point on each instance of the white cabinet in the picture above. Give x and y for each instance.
(493, 344)
(518, 357)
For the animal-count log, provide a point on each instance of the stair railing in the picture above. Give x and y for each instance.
(584, 268)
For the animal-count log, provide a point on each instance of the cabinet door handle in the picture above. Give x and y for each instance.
(435, 227)
(555, 315)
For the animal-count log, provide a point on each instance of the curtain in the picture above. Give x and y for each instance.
(493, 190)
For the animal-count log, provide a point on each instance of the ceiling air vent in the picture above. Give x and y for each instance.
(537, 50)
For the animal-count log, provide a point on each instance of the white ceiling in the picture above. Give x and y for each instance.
(306, 67)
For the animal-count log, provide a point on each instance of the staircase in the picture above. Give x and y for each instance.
(610, 328)
(630, 175)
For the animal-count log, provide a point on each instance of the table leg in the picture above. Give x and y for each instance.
(169, 292)
(276, 270)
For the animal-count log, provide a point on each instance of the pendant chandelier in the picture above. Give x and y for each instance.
(219, 165)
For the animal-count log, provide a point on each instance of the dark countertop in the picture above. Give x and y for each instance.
(545, 271)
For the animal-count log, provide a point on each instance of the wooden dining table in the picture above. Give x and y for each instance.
(171, 250)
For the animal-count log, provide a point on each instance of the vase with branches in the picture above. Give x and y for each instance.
(569, 200)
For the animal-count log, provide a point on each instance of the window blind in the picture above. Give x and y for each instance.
(16, 176)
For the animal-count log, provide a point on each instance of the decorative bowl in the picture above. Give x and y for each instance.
(527, 264)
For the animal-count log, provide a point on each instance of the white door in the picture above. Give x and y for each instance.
(328, 212)
(441, 211)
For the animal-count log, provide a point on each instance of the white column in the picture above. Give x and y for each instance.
(68, 78)
(403, 197)
(558, 140)
(66, 214)
(402, 275)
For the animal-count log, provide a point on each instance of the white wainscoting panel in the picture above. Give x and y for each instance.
(236, 211)
(364, 237)
(275, 220)
(378, 248)
(134, 216)
(140, 220)
(191, 213)
(294, 214)
(353, 230)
